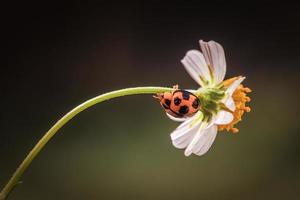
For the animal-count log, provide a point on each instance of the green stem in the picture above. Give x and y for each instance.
(43, 141)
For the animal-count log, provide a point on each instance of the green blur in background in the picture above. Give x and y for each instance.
(121, 149)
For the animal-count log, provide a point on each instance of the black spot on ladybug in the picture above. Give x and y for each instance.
(183, 110)
(185, 95)
(195, 104)
(165, 107)
(177, 101)
(167, 102)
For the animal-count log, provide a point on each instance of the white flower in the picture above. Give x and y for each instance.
(198, 132)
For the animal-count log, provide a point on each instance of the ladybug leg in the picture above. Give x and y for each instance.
(155, 96)
(175, 88)
(158, 96)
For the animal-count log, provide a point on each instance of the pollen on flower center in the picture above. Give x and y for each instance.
(240, 99)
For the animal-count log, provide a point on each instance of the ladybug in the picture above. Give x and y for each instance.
(179, 103)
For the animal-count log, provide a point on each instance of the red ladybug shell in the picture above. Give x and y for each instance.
(180, 103)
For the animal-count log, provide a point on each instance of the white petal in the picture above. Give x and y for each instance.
(185, 137)
(183, 134)
(196, 66)
(212, 121)
(223, 117)
(177, 119)
(190, 120)
(229, 103)
(196, 139)
(191, 91)
(234, 85)
(209, 140)
(202, 140)
(215, 57)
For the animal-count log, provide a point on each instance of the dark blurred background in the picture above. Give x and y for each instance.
(57, 55)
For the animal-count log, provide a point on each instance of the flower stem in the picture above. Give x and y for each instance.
(14, 180)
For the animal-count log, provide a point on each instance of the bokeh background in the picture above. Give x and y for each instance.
(55, 56)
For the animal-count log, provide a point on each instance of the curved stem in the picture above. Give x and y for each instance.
(43, 141)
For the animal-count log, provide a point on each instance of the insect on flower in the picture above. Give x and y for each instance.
(179, 103)
(216, 105)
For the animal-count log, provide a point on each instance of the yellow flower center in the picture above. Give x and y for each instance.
(240, 99)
